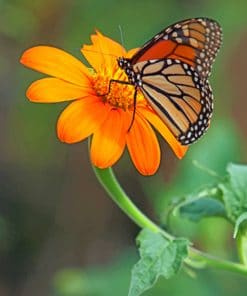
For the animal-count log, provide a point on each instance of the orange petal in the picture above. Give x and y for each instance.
(143, 146)
(52, 90)
(178, 149)
(109, 140)
(131, 52)
(55, 62)
(81, 118)
(103, 53)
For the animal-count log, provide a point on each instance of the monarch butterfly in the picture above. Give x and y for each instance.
(172, 71)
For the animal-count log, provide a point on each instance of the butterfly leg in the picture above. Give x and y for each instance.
(115, 81)
(135, 95)
(134, 111)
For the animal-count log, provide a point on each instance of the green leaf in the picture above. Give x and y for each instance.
(242, 218)
(234, 191)
(159, 257)
(201, 208)
(203, 203)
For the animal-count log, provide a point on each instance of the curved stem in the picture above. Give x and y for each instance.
(209, 260)
(196, 257)
(112, 187)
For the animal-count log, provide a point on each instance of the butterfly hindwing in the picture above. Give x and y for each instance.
(181, 98)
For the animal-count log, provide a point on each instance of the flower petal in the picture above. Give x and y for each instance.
(143, 146)
(81, 118)
(154, 119)
(131, 52)
(55, 62)
(109, 140)
(52, 90)
(103, 53)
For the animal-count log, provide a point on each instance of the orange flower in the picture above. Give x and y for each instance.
(94, 111)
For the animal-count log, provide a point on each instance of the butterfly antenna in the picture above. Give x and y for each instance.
(121, 35)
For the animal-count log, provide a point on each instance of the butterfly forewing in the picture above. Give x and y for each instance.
(177, 93)
(193, 41)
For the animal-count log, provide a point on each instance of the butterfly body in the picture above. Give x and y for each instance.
(172, 70)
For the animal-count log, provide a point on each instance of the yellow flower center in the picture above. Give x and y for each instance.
(115, 93)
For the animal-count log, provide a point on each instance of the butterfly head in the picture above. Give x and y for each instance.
(126, 65)
(123, 63)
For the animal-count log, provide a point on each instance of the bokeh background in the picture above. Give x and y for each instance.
(60, 234)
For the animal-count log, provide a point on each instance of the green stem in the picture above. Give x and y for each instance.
(113, 188)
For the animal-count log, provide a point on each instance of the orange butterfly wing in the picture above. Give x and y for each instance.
(193, 41)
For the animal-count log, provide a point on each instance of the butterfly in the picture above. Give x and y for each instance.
(172, 70)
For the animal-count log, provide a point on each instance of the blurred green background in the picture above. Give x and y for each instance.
(59, 232)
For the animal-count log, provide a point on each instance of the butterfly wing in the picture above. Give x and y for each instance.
(194, 41)
(181, 98)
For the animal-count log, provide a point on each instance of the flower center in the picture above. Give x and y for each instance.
(115, 93)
